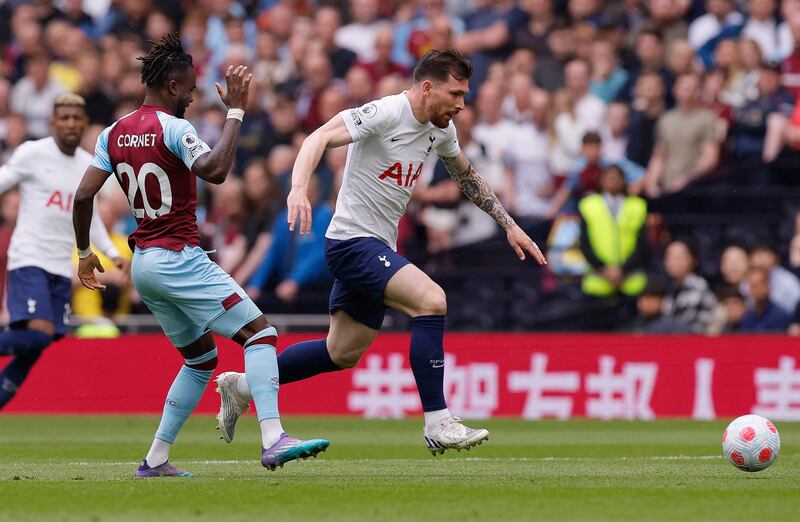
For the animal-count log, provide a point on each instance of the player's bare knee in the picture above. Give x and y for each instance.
(347, 360)
(345, 356)
(434, 303)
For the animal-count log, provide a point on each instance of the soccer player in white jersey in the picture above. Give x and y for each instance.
(47, 172)
(389, 139)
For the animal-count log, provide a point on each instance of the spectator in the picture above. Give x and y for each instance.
(784, 284)
(763, 315)
(530, 180)
(494, 132)
(359, 35)
(487, 37)
(790, 67)
(651, 318)
(326, 24)
(16, 134)
(614, 132)
(516, 104)
(733, 266)
(585, 178)
(99, 106)
(608, 78)
(589, 108)
(686, 145)
(689, 298)
(262, 205)
(360, 88)
(729, 312)
(720, 14)
(317, 71)
(383, 65)
(294, 261)
(33, 95)
(756, 119)
(649, 50)
(762, 27)
(613, 238)
(647, 107)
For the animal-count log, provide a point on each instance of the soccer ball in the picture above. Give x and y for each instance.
(751, 443)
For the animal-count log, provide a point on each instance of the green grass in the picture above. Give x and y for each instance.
(80, 468)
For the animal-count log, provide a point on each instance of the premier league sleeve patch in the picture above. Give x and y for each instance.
(369, 110)
(190, 140)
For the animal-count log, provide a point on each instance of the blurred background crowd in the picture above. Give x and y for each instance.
(650, 146)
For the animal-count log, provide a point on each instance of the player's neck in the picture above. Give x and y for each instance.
(154, 100)
(414, 96)
(65, 149)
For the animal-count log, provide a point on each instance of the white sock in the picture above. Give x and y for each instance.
(432, 418)
(271, 431)
(159, 453)
(243, 389)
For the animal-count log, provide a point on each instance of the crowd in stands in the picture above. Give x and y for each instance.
(651, 146)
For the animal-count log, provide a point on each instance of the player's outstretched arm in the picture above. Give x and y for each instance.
(331, 135)
(214, 166)
(82, 212)
(479, 192)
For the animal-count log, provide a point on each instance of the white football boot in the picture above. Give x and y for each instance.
(451, 434)
(232, 405)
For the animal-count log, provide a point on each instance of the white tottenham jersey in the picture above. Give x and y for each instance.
(383, 165)
(47, 180)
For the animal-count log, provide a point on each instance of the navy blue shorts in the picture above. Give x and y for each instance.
(362, 267)
(34, 293)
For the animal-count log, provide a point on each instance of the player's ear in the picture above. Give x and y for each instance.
(172, 86)
(427, 85)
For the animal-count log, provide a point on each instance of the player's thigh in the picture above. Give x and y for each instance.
(208, 295)
(412, 292)
(348, 339)
(60, 301)
(28, 300)
(147, 279)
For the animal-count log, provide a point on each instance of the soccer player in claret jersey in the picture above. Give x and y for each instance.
(47, 172)
(389, 140)
(155, 155)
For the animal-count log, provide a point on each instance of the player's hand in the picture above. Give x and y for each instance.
(125, 269)
(238, 83)
(86, 268)
(521, 243)
(299, 208)
(253, 292)
(287, 291)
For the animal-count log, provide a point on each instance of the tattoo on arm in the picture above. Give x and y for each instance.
(477, 190)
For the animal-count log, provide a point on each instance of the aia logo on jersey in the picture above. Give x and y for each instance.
(64, 203)
(395, 172)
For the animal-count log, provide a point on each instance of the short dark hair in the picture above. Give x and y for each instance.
(166, 58)
(592, 138)
(440, 65)
(765, 246)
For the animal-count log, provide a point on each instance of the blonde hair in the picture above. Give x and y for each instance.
(69, 100)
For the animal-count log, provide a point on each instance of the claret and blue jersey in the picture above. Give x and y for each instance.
(151, 153)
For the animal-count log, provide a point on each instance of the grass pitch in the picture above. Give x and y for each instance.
(80, 468)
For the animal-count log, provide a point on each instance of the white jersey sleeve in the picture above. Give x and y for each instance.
(448, 148)
(371, 119)
(16, 169)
